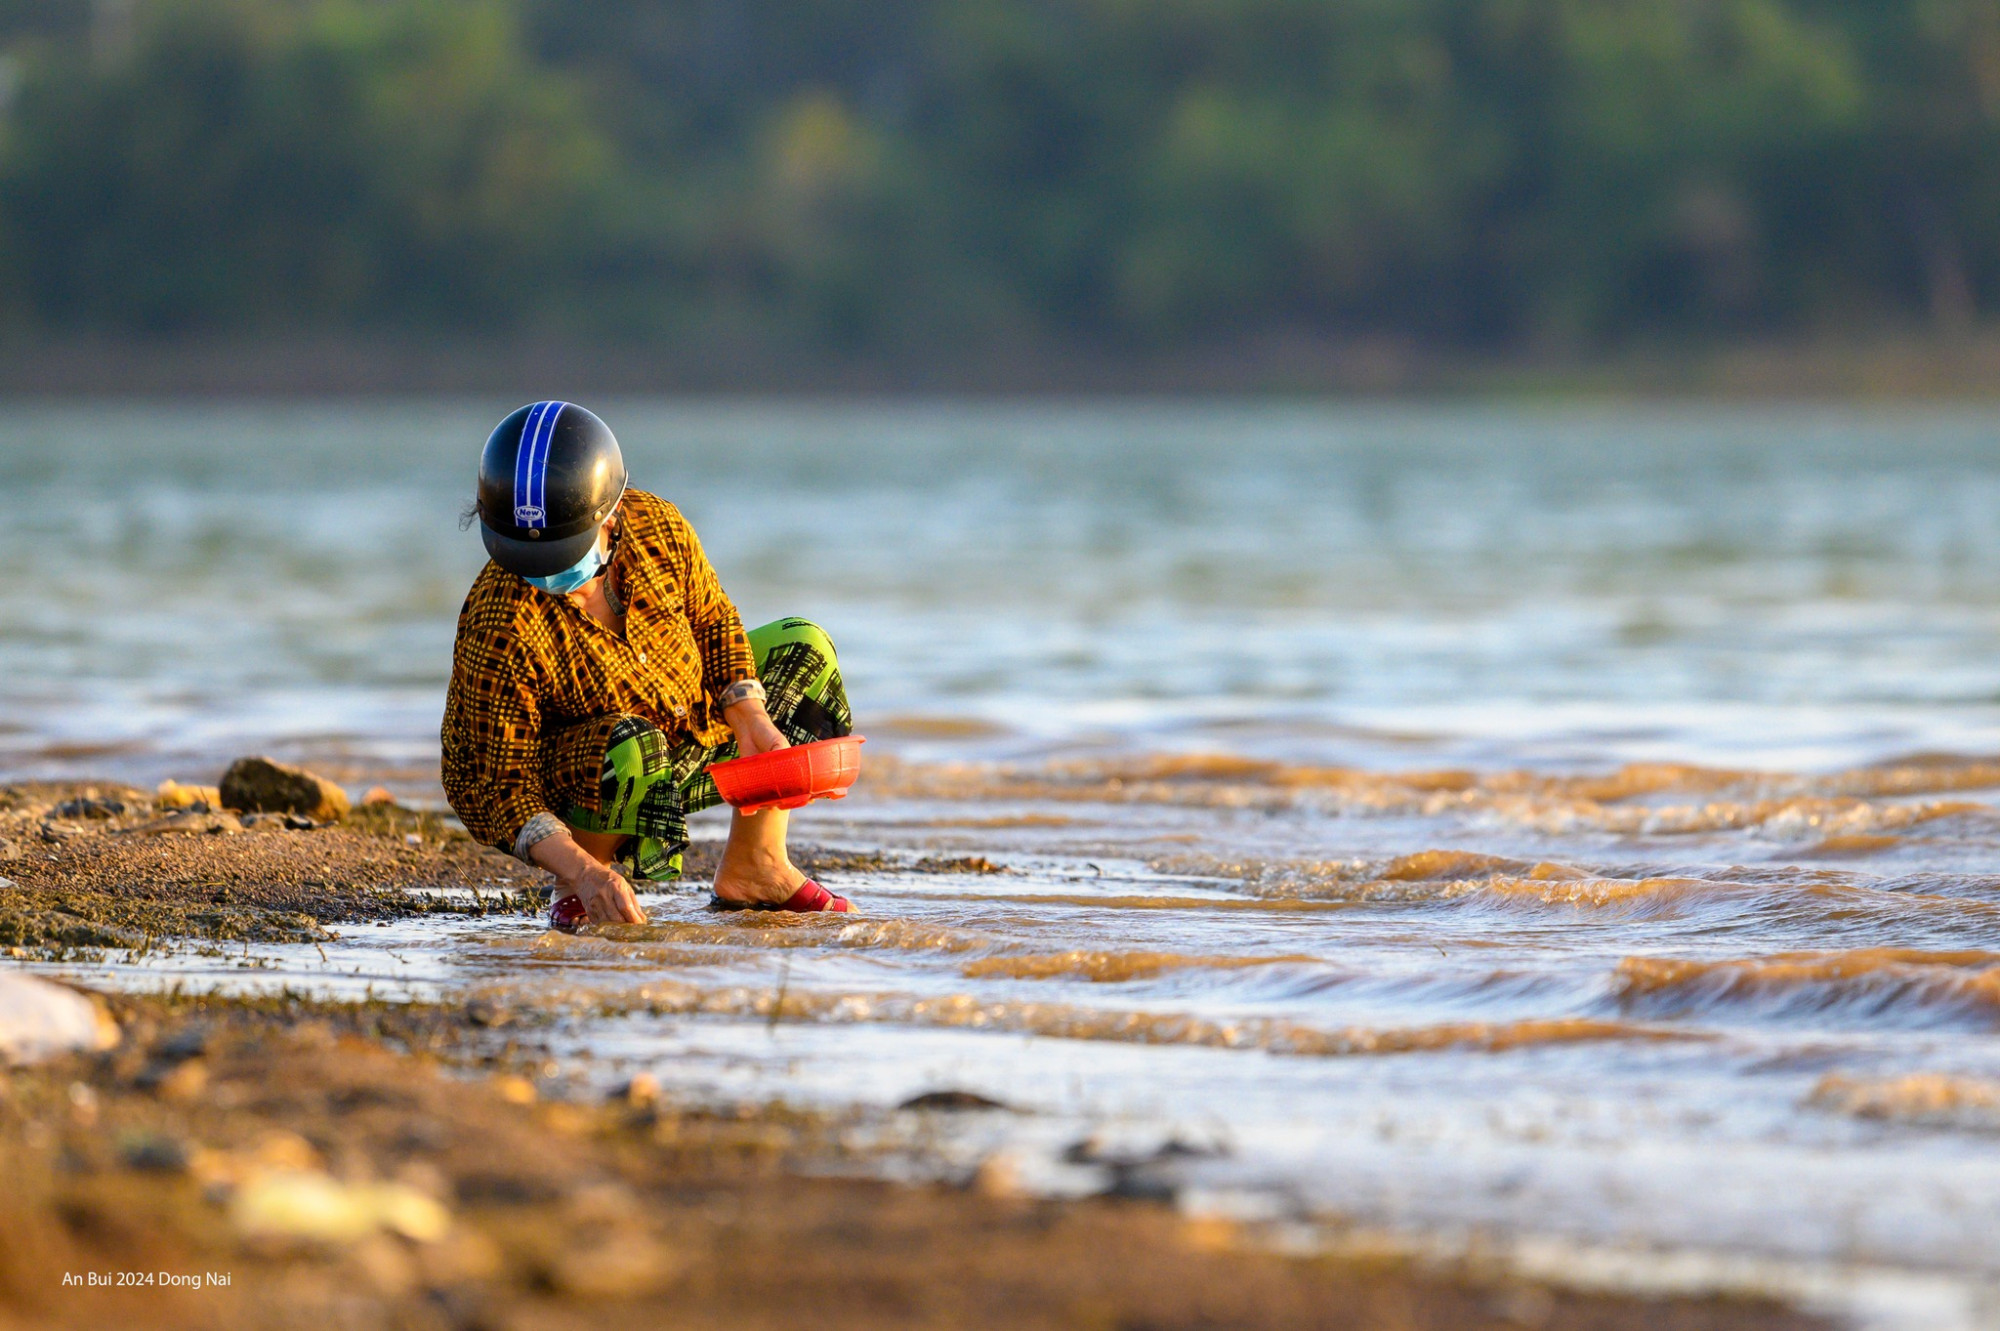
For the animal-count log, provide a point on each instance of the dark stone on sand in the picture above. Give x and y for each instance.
(260, 785)
(1143, 1175)
(486, 1012)
(183, 1045)
(1091, 1151)
(1138, 1184)
(495, 1189)
(154, 1154)
(952, 1101)
(89, 808)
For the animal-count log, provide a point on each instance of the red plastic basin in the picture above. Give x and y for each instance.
(790, 778)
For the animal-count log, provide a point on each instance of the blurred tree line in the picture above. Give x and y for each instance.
(899, 174)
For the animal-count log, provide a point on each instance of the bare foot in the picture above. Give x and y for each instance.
(755, 866)
(757, 876)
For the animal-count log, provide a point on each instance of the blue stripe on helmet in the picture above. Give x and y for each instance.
(541, 466)
(526, 511)
(531, 464)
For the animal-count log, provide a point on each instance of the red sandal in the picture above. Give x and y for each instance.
(810, 897)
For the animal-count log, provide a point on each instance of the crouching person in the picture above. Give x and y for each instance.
(600, 669)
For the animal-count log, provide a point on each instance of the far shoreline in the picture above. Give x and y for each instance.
(1879, 367)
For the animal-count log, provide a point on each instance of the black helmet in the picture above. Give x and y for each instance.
(550, 475)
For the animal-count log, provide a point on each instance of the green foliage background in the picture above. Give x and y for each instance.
(938, 174)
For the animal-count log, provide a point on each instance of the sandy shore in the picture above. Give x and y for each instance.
(409, 1165)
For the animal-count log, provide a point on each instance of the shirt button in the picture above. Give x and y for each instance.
(642, 658)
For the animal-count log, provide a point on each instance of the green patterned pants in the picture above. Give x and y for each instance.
(647, 787)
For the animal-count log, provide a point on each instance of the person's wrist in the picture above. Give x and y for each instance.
(742, 691)
(744, 711)
(560, 855)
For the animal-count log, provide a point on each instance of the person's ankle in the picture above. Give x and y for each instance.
(755, 864)
(773, 882)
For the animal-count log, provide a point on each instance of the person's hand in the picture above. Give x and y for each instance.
(607, 898)
(755, 731)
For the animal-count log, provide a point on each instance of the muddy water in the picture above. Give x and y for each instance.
(1571, 827)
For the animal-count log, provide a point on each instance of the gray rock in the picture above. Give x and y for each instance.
(259, 785)
(89, 807)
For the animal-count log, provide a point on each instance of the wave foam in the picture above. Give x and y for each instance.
(1890, 985)
(1647, 799)
(1112, 967)
(1926, 1099)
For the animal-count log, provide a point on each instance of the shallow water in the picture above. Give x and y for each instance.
(1571, 823)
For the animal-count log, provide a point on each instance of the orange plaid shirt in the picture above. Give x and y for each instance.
(528, 664)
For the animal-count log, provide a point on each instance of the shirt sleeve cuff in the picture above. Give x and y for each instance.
(538, 828)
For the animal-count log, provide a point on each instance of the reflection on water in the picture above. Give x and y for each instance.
(1574, 822)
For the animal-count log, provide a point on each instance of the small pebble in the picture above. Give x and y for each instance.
(643, 1089)
(515, 1090)
(181, 1081)
(998, 1176)
(173, 795)
(310, 1205)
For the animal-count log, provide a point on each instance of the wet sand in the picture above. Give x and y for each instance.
(548, 1205)
(101, 866)
(608, 1214)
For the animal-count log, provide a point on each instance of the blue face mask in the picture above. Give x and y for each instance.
(573, 577)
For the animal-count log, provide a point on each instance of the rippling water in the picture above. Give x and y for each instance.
(1575, 824)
